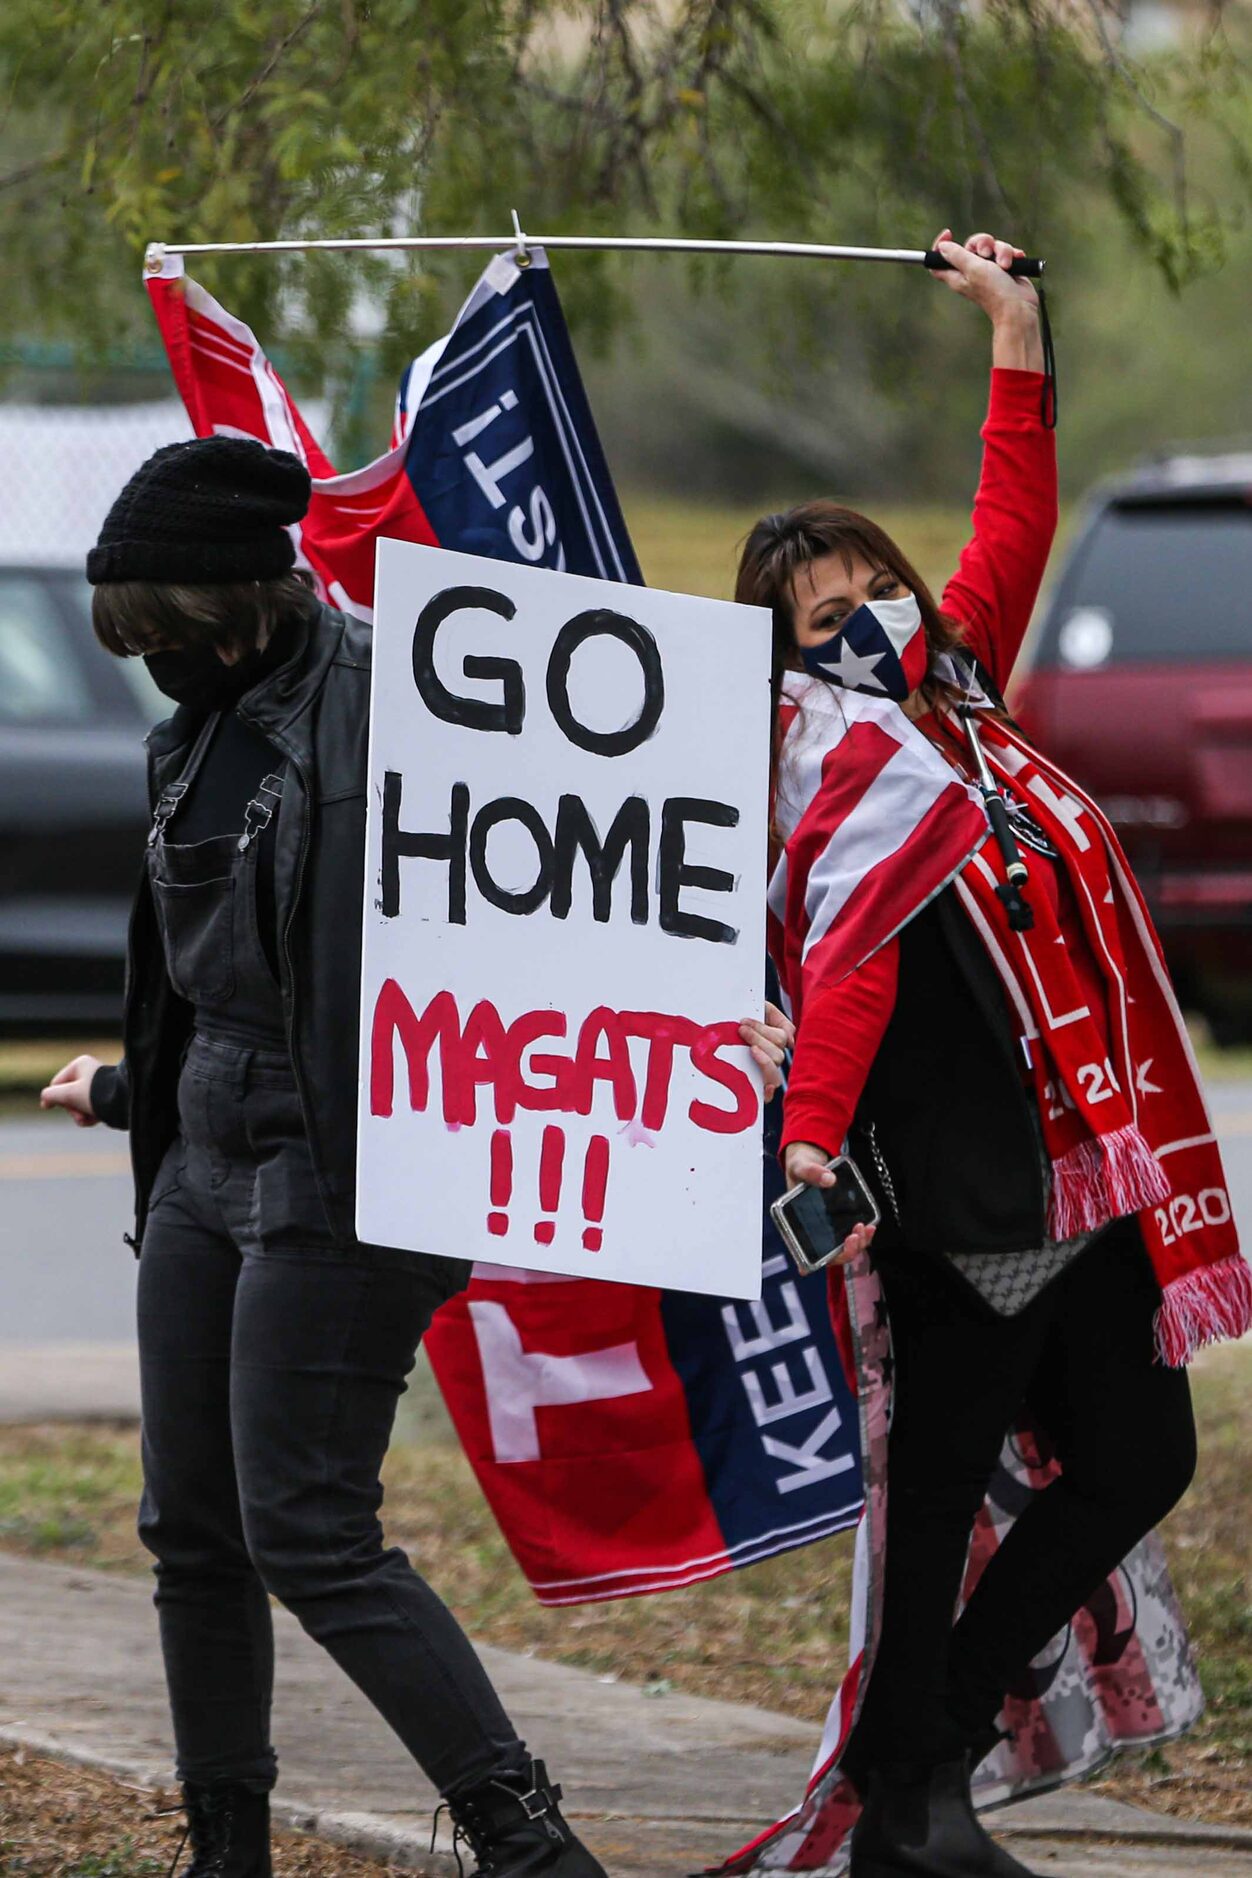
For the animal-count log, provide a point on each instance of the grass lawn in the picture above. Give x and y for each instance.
(772, 1634)
(694, 547)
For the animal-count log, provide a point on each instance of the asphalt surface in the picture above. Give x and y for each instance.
(65, 1201)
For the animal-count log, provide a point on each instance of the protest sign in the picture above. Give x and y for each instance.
(563, 927)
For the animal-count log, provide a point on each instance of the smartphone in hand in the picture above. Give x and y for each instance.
(813, 1222)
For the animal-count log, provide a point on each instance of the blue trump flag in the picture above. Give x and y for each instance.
(502, 452)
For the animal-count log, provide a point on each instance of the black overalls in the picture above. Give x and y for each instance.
(272, 1358)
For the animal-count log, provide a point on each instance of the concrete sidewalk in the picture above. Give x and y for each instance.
(657, 1785)
(69, 1382)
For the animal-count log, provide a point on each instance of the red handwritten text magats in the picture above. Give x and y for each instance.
(484, 1052)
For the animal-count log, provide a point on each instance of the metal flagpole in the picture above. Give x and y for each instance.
(520, 243)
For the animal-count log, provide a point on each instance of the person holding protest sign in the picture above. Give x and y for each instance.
(274, 1345)
(985, 1019)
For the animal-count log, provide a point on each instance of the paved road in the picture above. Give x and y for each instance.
(65, 1201)
(67, 1281)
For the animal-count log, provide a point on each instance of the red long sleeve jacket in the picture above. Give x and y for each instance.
(992, 594)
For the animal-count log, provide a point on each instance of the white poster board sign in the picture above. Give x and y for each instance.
(564, 924)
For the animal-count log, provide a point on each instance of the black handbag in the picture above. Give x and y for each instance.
(1009, 1281)
(1006, 1282)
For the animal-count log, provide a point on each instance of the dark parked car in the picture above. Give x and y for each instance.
(73, 803)
(1139, 682)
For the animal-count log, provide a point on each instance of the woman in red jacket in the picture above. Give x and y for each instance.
(984, 1020)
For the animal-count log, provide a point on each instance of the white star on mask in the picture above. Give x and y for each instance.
(853, 668)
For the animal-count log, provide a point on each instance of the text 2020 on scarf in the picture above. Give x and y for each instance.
(876, 821)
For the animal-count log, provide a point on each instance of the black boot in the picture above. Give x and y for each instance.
(512, 1823)
(919, 1822)
(228, 1829)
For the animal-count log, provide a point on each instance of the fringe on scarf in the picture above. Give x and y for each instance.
(1203, 1306)
(1104, 1178)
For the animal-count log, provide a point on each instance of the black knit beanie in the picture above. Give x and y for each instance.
(212, 510)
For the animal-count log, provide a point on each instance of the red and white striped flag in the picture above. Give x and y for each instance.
(875, 823)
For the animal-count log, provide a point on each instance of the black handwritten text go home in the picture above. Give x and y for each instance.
(628, 845)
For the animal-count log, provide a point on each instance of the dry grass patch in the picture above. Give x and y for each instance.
(70, 1491)
(64, 1821)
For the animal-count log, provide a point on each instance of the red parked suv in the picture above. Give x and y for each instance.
(1139, 682)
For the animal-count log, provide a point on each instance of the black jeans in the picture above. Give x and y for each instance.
(1081, 1361)
(271, 1362)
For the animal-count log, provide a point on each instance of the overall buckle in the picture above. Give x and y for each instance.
(258, 814)
(171, 796)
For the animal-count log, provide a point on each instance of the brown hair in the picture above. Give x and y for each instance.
(134, 616)
(774, 553)
(781, 545)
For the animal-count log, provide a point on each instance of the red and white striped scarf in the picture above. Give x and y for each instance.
(875, 822)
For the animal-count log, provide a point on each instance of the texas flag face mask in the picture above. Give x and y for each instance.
(879, 649)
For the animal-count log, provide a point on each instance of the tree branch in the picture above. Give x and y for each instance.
(27, 171)
(1173, 132)
(275, 59)
(949, 12)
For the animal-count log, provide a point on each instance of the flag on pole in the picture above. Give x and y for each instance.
(494, 450)
(627, 1439)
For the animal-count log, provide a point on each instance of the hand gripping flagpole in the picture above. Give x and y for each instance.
(520, 244)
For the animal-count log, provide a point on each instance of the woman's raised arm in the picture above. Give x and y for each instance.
(997, 581)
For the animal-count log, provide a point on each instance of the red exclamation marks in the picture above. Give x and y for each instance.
(595, 1185)
(501, 1181)
(551, 1164)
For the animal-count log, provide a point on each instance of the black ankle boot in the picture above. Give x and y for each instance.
(228, 1831)
(919, 1822)
(512, 1823)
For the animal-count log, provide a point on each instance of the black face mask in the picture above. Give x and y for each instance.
(200, 678)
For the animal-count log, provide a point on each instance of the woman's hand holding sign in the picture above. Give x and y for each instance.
(769, 1039)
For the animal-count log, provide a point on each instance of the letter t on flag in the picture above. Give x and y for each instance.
(523, 1381)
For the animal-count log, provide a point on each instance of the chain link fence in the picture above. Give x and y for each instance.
(62, 466)
(70, 439)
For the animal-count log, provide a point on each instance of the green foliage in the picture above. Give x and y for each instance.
(134, 120)
(52, 1499)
